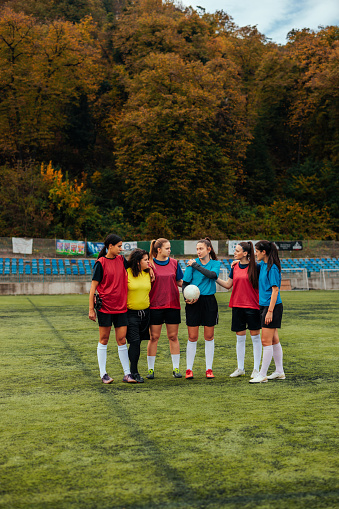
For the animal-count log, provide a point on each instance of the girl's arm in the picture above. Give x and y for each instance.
(179, 283)
(226, 284)
(208, 273)
(91, 312)
(274, 296)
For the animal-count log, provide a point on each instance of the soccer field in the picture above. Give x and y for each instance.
(69, 441)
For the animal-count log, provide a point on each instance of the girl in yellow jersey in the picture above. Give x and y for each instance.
(138, 313)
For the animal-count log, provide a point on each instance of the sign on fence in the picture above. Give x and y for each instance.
(94, 248)
(70, 247)
(22, 246)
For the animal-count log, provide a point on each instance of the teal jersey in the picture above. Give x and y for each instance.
(206, 285)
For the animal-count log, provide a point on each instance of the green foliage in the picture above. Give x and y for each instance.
(171, 117)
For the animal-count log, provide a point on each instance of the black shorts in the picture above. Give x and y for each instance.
(203, 312)
(107, 320)
(276, 318)
(168, 315)
(138, 325)
(245, 318)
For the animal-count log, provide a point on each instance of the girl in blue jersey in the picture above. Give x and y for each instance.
(203, 273)
(271, 310)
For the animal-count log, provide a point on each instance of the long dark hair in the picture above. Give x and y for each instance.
(271, 252)
(110, 239)
(155, 245)
(134, 260)
(207, 241)
(252, 267)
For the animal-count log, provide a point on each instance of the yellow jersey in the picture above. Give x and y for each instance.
(138, 290)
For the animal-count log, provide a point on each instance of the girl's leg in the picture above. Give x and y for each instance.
(104, 333)
(209, 347)
(277, 353)
(257, 349)
(172, 334)
(120, 336)
(193, 334)
(240, 348)
(134, 355)
(267, 342)
(155, 331)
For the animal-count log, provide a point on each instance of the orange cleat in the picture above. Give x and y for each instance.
(189, 373)
(209, 374)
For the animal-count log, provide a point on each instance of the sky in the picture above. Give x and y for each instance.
(275, 18)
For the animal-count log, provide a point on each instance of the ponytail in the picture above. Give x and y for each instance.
(252, 267)
(110, 239)
(155, 245)
(207, 241)
(271, 251)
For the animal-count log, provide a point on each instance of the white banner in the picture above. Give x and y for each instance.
(129, 246)
(190, 246)
(22, 246)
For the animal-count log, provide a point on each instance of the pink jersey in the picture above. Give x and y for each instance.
(164, 293)
(243, 293)
(113, 286)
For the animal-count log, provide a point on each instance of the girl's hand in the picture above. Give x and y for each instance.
(92, 315)
(192, 301)
(268, 317)
(190, 262)
(151, 273)
(233, 263)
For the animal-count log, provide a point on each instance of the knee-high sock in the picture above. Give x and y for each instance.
(278, 357)
(175, 360)
(150, 361)
(257, 350)
(241, 345)
(209, 353)
(102, 357)
(134, 354)
(123, 356)
(266, 359)
(190, 353)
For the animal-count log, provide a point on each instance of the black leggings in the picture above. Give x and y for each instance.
(134, 354)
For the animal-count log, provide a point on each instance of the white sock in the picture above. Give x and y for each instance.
(150, 361)
(266, 359)
(278, 357)
(190, 353)
(257, 350)
(175, 360)
(209, 353)
(123, 356)
(102, 357)
(241, 343)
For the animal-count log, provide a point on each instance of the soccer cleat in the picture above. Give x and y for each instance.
(258, 379)
(138, 378)
(276, 376)
(209, 374)
(237, 372)
(129, 379)
(107, 379)
(189, 373)
(176, 373)
(255, 373)
(150, 374)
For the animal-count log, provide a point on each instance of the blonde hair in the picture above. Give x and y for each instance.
(155, 245)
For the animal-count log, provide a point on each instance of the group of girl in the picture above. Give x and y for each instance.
(140, 294)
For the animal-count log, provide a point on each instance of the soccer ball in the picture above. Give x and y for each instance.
(191, 292)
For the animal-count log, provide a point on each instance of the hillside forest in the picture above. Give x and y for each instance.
(148, 118)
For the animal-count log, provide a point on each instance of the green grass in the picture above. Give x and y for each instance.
(68, 441)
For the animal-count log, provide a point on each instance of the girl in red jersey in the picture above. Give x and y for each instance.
(165, 303)
(110, 281)
(244, 302)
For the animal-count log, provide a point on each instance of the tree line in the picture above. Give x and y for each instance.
(150, 119)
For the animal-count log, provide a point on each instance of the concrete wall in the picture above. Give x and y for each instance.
(55, 288)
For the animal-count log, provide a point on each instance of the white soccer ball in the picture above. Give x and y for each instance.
(191, 292)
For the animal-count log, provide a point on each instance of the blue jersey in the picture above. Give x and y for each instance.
(266, 281)
(206, 285)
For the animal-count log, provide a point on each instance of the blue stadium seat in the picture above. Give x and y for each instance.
(75, 270)
(48, 271)
(68, 270)
(47, 261)
(27, 269)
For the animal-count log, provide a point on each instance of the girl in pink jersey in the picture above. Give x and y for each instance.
(110, 281)
(244, 302)
(164, 303)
